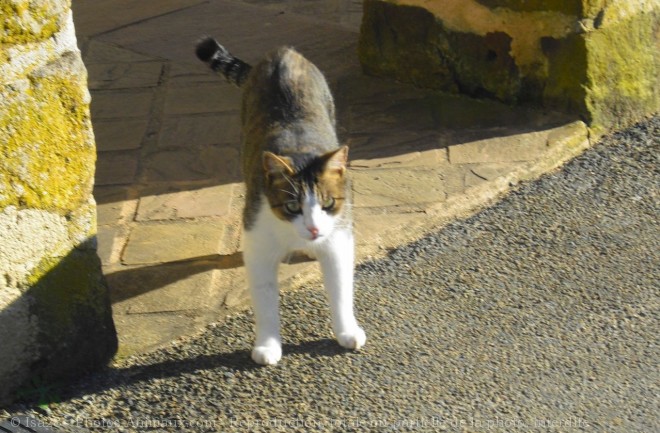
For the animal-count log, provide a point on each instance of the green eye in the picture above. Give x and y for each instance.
(293, 207)
(328, 203)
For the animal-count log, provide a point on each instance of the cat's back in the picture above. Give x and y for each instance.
(286, 88)
(287, 108)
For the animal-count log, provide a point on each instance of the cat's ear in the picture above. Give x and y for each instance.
(274, 164)
(337, 159)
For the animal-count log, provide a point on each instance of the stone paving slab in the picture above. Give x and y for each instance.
(117, 168)
(119, 134)
(124, 75)
(211, 201)
(247, 29)
(168, 182)
(513, 148)
(99, 16)
(123, 104)
(177, 240)
(186, 131)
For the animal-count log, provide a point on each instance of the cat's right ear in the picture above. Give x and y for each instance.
(275, 164)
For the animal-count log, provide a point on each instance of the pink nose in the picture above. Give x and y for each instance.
(314, 231)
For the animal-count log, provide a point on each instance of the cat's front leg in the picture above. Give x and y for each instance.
(261, 266)
(337, 261)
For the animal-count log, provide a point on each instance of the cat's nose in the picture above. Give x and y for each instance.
(314, 232)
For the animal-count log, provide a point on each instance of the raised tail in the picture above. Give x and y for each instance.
(221, 61)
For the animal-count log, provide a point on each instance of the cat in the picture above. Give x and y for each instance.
(297, 185)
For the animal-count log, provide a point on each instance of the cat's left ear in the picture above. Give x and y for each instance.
(275, 164)
(337, 159)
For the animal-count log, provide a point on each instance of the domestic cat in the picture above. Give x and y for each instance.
(297, 185)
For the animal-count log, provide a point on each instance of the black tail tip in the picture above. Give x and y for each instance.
(206, 47)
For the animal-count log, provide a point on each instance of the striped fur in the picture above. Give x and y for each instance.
(222, 61)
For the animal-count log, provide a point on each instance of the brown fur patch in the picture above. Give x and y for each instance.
(322, 177)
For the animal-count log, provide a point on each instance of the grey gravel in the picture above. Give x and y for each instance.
(538, 314)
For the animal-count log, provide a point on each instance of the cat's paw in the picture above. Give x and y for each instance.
(267, 355)
(353, 339)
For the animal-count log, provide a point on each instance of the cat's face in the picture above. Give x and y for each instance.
(307, 192)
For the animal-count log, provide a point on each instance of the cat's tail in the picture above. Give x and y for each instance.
(221, 61)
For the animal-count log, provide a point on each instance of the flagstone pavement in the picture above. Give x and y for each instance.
(168, 186)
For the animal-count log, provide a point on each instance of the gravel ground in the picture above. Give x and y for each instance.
(538, 314)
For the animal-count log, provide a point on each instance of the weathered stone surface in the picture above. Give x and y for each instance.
(162, 288)
(123, 75)
(72, 306)
(380, 188)
(212, 201)
(121, 105)
(52, 294)
(623, 59)
(588, 58)
(103, 15)
(189, 131)
(195, 164)
(114, 205)
(174, 241)
(203, 98)
(116, 168)
(154, 330)
(480, 173)
(110, 239)
(120, 134)
(29, 23)
(411, 44)
(48, 151)
(572, 7)
(429, 158)
(520, 147)
(102, 52)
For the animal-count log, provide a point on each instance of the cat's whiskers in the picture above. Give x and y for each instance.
(289, 192)
(293, 185)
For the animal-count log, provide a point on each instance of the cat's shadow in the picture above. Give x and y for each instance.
(231, 364)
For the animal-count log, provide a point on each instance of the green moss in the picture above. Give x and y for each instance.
(578, 8)
(72, 309)
(623, 77)
(411, 44)
(568, 7)
(61, 284)
(25, 21)
(563, 86)
(48, 155)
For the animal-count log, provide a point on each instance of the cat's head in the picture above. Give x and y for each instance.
(307, 191)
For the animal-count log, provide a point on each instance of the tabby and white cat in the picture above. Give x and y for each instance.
(297, 187)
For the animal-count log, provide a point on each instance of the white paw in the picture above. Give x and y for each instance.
(267, 355)
(353, 339)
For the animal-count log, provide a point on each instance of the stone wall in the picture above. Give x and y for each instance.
(599, 59)
(55, 317)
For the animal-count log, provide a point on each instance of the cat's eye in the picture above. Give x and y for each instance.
(293, 207)
(328, 203)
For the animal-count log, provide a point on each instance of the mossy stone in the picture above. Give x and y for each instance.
(564, 87)
(411, 44)
(577, 8)
(72, 309)
(607, 73)
(48, 149)
(25, 21)
(623, 70)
